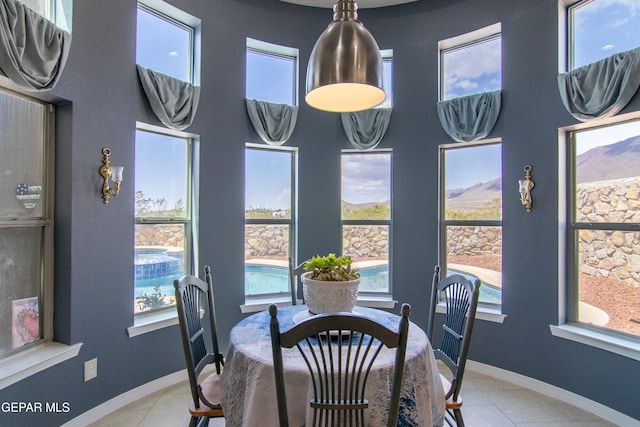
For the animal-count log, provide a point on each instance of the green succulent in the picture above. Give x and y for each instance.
(331, 268)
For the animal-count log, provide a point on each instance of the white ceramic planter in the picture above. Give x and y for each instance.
(329, 297)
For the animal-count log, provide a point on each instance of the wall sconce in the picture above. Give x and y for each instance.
(107, 171)
(525, 187)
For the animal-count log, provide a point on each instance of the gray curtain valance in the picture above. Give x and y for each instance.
(173, 101)
(469, 118)
(273, 122)
(365, 129)
(33, 51)
(603, 88)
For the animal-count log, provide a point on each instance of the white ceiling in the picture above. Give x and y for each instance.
(362, 4)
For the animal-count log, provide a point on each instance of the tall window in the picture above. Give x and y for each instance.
(165, 44)
(471, 63)
(270, 186)
(598, 29)
(471, 215)
(163, 234)
(366, 216)
(272, 73)
(26, 235)
(387, 84)
(604, 194)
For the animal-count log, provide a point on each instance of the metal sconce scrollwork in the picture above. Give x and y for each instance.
(525, 187)
(107, 171)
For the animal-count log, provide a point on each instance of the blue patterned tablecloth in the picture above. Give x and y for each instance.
(249, 397)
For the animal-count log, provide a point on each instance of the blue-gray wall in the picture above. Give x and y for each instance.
(100, 101)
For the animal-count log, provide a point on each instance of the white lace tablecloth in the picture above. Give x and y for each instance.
(249, 394)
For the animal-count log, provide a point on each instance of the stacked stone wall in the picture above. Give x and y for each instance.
(167, 235)
(366, 241)
(475, 240)
(266, 241)
(614, 254)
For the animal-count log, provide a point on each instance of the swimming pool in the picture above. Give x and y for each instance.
(266, 279)
(156, 267)
(489, 293)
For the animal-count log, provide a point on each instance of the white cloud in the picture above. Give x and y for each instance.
(365, 178)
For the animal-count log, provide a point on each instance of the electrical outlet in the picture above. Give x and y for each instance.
(90, 369)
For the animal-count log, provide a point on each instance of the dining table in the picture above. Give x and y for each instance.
(249, 392)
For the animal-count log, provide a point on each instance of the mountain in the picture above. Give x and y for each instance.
(614, 161)
(474, 196)
(358, 206)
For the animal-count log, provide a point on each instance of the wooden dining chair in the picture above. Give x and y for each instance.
(194, 297)
(294, 274)
(339, 350)
(460, 296)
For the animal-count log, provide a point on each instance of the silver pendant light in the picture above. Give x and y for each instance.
(345, 68)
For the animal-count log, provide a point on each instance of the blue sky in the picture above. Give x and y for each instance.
(267, 179)
(161, 163)
(604, 27)
(472, 165)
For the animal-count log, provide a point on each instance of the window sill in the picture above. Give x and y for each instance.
(597, 339)
(482, 313)
(373, 301)
(144, 323)
(255, 305)
(29, 362)
(260, 304)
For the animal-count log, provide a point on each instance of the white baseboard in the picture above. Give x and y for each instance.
(126, 398)
(573, 399)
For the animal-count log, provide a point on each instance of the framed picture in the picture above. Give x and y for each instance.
(25, 322)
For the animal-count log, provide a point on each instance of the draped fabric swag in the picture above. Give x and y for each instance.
(33, 51)
(470, 118)
(274, 123)
(602, 88)
(365, 129)
(173, 101)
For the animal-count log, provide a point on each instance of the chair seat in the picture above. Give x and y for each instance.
(212, 390)
(450, 403)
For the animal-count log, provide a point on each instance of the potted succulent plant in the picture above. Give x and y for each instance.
(330, 284)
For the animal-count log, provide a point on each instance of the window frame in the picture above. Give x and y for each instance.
(292, 222)
(169, 15)
(277, 51)
(567, 41)
(44, 222)
(188, 221)
(387, 58)
(362, 294)
(60, 12)
(574, 227)
(460, 42)
(486, 311)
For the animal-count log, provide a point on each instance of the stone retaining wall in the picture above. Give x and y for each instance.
(613, 254)
(159, 235)
(474, 240)
(266, 241)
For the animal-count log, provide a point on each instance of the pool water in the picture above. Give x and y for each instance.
(267, 279)
(488, 293)
(156, 267)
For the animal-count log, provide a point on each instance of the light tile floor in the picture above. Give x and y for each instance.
(488, 402)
